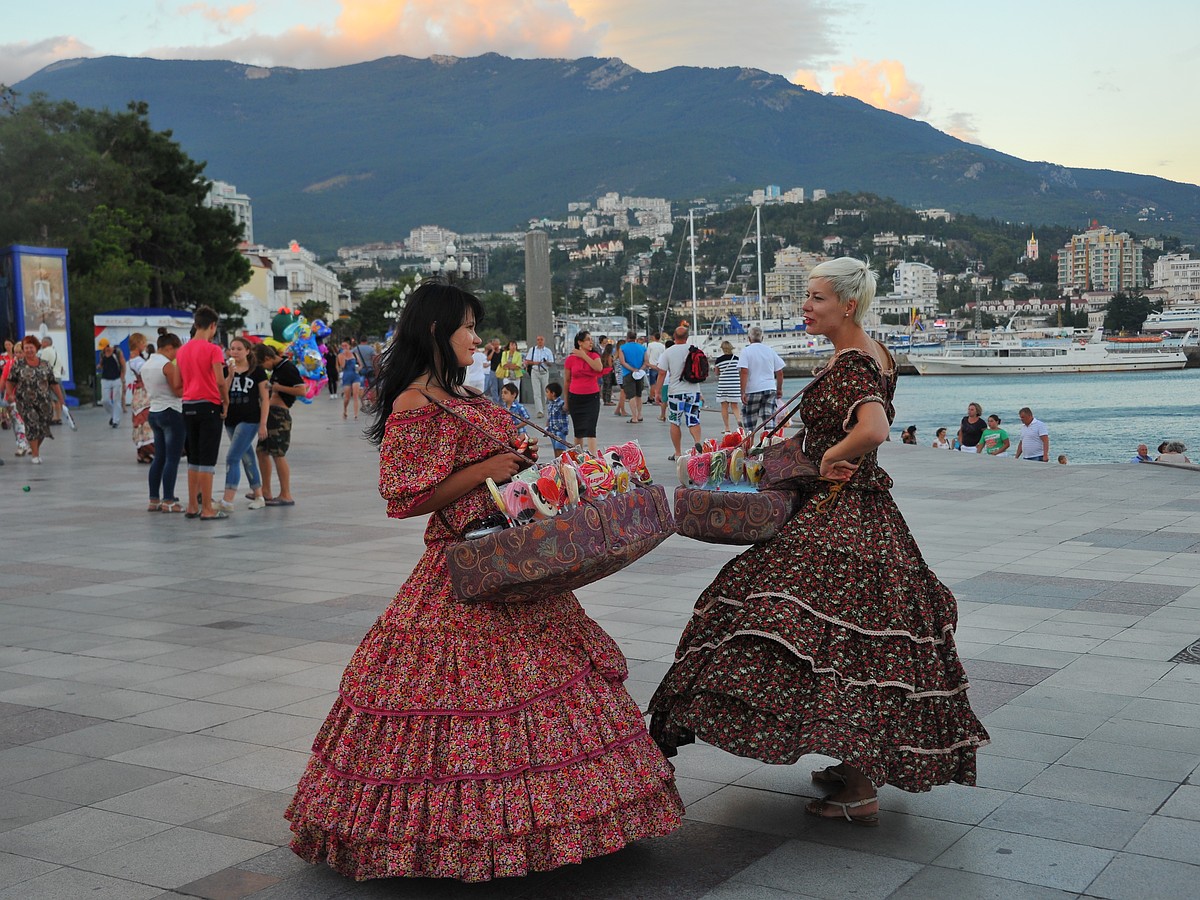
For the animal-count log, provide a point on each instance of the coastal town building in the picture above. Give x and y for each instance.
(789, 277)
(1031, 248)
(289, 277)
(1100, 259)
(1179, 275)
(222, 195)
(917, 281)
(429, 240)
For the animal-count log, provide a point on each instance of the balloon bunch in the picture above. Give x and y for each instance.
(307, 356)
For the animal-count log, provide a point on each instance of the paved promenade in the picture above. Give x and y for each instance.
(161, 681)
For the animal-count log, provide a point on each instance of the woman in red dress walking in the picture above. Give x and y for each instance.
(835, 637)
(470, 741)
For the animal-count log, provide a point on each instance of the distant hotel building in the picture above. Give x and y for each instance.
(222, 195)
(789, 278)
(1101, 259)
(1179, 275)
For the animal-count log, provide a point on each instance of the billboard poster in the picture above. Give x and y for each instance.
(42, 307)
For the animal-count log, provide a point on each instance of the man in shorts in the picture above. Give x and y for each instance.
(286, 385)
(654, 349)
(683, 397)
(631, 366)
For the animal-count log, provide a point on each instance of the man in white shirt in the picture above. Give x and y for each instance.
(476, 370)
(761, 371)
(683, 397)
(1035, 437)
(654, 349)
(537, 363)
(49, 355)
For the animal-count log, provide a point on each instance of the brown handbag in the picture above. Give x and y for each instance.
(785, 465)
(549, 557)
(733, 517)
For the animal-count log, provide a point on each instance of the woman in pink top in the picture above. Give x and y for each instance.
(582, 370)
(205, 400)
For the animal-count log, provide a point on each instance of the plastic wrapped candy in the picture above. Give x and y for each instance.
(698, 467)
(597, 475)
(754, 470)
(732, 439)
(632, 457)
(718, 468)
(570, 479)
(737, 465)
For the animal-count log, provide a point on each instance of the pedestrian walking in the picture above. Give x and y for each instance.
(112, 381)
(1035, 438)
(761, 371)
(286, 384)
(683, 397)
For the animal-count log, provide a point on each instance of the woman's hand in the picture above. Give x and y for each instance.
(501, 467)
(837, 470)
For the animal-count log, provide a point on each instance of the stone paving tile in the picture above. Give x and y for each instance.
(72, 836)
(17, 869)
(103, 740)
(66, 884)
(228, 884)
(259, 820)
(1105, 789)
(17, 810)
(1063, 820)
(934, 881)
(1183, 804)
(173, 857)
(91, 781)
(828, 872)
(1132, 877)
(39, 724)
(1035, 860)
(1168, 838)
(23, 762)
(178, 801)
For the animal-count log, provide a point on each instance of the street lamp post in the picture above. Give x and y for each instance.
(450, 266)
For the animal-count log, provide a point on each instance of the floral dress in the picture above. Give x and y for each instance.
(835, 637)
(474, 741)
(34, 397)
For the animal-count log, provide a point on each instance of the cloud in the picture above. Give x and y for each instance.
(225, 19)
(22, 59)
(807, 78)
(883, 84)
(369, 29)
(962, 126)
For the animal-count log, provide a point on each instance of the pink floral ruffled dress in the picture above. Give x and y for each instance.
(475, 741)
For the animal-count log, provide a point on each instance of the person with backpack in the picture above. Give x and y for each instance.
(686, 368)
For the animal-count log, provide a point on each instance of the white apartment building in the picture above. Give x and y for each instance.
(789, 278)
(916, 280)
(795, 195)
(222, 195)
(819, 194)
(1179, 275)
(288, 277)
(430, 240)
(885, 239)
(1101, 259)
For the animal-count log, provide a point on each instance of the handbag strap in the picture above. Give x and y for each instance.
(479, 429)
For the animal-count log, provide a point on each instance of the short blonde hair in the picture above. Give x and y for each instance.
(852, 279)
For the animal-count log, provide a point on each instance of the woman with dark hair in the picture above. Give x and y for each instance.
(582, 370)
(246, 420)
(32, 386)
(164, 387)
(481, 740)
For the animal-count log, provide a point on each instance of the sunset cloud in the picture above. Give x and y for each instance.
(883, 84)
(369, 29)
(26, 57)
(807, 78)
(224, 18)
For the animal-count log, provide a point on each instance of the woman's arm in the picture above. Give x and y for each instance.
(594, 361)
(868, 433)
(174, 379)
(500, 468)
(566, 388)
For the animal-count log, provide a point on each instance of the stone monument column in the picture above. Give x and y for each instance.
(539, 308)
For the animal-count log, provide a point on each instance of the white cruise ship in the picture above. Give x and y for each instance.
(1178, 318)
(1015, 357)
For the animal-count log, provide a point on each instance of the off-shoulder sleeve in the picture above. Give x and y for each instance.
(858, 381)
(417, 454)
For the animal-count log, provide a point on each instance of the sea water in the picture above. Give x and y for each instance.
(1093, 418)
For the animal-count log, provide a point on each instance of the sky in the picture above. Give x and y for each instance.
(1100, 84)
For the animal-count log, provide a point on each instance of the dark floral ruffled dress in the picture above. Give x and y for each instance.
(475, 741)
(833, 638)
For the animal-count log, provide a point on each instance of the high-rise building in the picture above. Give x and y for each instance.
(1101, 259)
(916, 280)
(222, 195)
(790, 276)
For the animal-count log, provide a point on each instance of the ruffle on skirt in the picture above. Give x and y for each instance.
(505, 746)
(835, 638)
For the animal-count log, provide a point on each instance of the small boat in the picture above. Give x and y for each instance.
(1017, 357)
(1136, 339)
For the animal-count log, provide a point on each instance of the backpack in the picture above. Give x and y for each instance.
(695, 367)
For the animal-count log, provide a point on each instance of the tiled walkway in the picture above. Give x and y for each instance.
(161, 681)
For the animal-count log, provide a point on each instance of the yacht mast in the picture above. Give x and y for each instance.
(692, 242)
(758, 229)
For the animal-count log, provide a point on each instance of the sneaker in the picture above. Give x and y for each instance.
(225, 505)
(37, 460)
(257, 503)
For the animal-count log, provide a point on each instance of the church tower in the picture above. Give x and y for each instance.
(1031, 248)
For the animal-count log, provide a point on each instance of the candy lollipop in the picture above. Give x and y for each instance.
(570, 478)
(597, 476)
(681, 469)
(634, 460)
(547, 497)
(718, 467)
(497, 497)
(737, 464)
(698, 467)
(754, 470)
(732, 439)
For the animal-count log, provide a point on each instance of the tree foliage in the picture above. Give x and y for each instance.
(125, 201)
(1127, 313)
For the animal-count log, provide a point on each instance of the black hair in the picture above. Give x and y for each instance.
(166, 339)
(555, 388)
(421, 345)
(580, 337)
(204, 317)
(512, 388)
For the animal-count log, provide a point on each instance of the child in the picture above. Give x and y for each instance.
(556, 417)
(508, 396)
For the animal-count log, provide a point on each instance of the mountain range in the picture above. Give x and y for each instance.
(366, 152)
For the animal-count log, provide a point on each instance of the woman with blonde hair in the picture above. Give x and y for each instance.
(834, 637)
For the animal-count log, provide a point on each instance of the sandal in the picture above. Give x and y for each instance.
(192, 515)
(831, 775)
(821, 809)
(175, 507)
(219, 514)
(154, 506)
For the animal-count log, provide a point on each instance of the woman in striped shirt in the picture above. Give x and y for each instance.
(729, 388)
